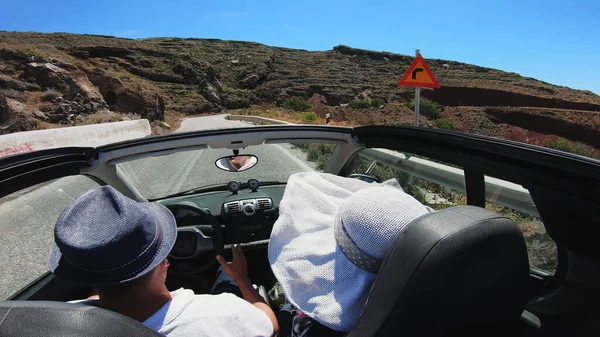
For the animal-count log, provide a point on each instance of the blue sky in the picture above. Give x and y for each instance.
(554, 41)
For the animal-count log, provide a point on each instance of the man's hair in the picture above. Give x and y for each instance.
(129, 286)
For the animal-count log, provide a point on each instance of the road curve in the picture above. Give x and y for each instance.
(210, 122)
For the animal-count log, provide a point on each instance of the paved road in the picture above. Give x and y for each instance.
(27, 218)
(186, 170)
(210, 122)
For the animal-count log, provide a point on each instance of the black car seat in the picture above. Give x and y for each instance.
(54, 319)
(457, 272)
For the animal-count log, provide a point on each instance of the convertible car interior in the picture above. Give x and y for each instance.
(509, 249)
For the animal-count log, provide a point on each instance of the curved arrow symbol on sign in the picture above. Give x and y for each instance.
(414, 73)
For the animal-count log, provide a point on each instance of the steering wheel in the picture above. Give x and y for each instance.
(197, 246)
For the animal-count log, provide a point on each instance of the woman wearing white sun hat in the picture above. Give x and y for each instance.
(329, 240)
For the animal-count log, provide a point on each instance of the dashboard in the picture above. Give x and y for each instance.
(186, 217)
(245, 211)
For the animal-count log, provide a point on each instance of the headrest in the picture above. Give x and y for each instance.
(449, 270)
(54, 319)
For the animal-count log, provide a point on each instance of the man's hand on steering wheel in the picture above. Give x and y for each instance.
(237, 269)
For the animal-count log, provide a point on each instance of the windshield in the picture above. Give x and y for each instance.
(158, 177)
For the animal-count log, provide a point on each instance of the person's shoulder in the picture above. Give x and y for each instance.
(224, 304)
(224, 300)
(226, 312)
(235, 306)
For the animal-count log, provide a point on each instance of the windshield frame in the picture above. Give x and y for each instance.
(178, 173)
(107, 156)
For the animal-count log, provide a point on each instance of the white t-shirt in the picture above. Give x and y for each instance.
(224, 315)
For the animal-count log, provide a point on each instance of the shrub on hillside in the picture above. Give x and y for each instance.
(572, 147)
(318, 153)
(445, 123)
(428, 108)
(309, 117)
(365, 103)
(34, 53)
(50, 95)
(376, 102)
(359, 104)
(296, 103)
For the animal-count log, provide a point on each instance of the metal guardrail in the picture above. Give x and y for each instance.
(250, 118)
(496, 190)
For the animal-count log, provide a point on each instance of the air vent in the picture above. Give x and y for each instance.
(232, 207)
(264, 203)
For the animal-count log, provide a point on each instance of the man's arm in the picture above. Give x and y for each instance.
(238, 270)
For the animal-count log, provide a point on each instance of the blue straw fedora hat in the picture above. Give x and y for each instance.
(104, 238)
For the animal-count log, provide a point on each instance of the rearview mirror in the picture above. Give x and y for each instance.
(236, 163)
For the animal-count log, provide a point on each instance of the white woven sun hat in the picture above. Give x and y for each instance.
(329, 240)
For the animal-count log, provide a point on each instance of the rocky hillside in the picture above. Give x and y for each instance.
(50, 79)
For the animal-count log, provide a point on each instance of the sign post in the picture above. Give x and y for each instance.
(417, 104)
(417, 96)
(418, 75)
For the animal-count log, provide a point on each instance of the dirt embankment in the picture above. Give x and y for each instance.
(463, 96)
(53, 79)
(531, 125)
(575, 125)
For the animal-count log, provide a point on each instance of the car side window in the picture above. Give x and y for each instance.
(27, 219)
(514, 202)
(417, 176)
(441, 185)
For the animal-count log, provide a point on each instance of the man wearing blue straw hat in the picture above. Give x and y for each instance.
(120, 247)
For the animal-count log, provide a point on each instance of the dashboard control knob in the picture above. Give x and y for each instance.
(249, 209)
